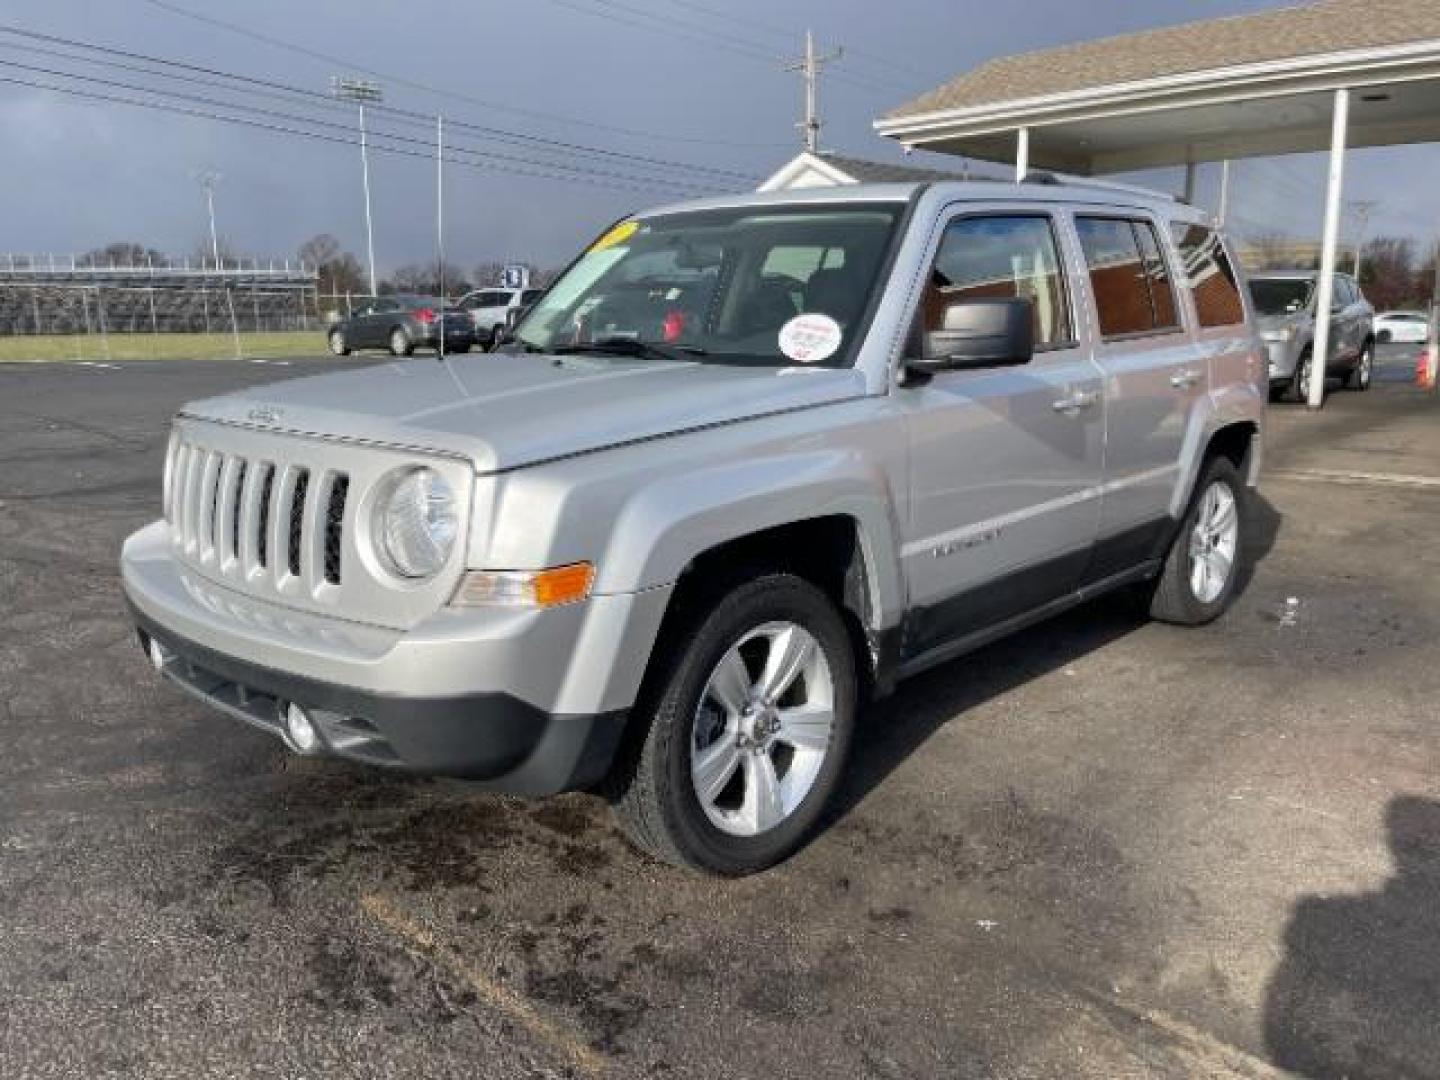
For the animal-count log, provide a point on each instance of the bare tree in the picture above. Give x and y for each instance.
(123, 253)
(1388, 273)
(338, 270)
(426, 278)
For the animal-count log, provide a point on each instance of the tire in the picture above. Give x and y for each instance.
(1178, 596)
(336, 341)
(461, 349)
(400, 343)
(1298, 390)
(1363, 373)
(497, 335)
(655, 787)
(1383, 337)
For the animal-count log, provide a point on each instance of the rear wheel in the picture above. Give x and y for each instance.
(337, 342)
(747, 730)
(400, 343)
(1364, 370)
(1198, 579)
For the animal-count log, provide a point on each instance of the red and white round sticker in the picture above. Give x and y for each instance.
(810, 338)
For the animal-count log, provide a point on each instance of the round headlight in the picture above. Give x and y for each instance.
(418, 524)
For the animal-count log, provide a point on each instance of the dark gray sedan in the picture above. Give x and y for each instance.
(402, 323)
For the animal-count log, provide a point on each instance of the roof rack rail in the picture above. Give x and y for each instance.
(1104, 185)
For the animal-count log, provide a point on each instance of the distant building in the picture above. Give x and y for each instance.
(832, 170)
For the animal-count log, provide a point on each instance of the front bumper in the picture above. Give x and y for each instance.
(1280, 358)
(531, 702)
(493, 737)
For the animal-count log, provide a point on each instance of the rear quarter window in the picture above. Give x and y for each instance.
(1209, 275)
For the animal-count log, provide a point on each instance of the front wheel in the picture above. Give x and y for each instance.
(497, 337)
(1364, 370)
(338, 345)
(1299, 389)
(400, 344)
(747, 730)
(1198, 579)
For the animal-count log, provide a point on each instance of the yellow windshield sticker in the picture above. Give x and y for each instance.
(618, 235)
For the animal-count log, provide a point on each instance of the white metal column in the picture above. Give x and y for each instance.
(1022, 154)
(1321, 352)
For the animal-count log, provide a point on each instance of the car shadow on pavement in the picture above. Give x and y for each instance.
(891, 730)
(1357, 993)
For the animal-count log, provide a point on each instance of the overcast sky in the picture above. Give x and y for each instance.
(689, 88)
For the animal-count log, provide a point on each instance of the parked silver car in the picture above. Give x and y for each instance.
(750, 462)
(1285, 313)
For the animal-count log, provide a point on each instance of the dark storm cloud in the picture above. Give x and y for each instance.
(81, 173)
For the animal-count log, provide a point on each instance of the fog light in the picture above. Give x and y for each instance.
(300, 731)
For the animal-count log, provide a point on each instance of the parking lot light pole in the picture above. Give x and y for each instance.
(208, 180)
(360, 91)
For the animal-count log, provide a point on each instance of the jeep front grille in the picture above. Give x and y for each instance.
(286, 518)
(253, 519)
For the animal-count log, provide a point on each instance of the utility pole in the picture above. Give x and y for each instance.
(360, 91)
(1224, 209)
(810, 67)
(1362, 209)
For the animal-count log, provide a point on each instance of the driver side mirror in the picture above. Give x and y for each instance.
(978, 334)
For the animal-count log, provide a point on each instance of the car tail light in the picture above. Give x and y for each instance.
(426, 315)
(674, 326)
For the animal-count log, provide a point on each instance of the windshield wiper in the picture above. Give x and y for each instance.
(624, 346)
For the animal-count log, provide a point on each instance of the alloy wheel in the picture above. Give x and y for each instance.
(1213, 542)
(762, 729)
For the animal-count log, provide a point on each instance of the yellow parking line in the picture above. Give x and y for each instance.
(498, 997)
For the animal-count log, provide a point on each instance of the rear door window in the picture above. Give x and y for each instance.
(1128, 277)
(1209, 275)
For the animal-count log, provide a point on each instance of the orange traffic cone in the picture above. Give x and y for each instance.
(1425, 370)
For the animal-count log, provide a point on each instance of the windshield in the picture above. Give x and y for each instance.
(1280, 296)
(750, 285)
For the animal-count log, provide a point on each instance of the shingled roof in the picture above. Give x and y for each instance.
(1333, 26)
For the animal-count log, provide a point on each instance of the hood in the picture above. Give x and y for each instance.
(505, 410)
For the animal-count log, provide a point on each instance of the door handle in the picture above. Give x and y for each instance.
(1184, 380)
(1081, 399)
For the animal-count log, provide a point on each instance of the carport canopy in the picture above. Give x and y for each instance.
(1298, 79)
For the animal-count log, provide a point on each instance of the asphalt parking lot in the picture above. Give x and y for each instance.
(1103, 848)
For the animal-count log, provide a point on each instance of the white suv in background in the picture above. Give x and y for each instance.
(488, 308)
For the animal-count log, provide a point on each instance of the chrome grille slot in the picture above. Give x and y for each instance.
(262, 524)
(278, 517)
(334, 523)
(235, 507)
(294, 542)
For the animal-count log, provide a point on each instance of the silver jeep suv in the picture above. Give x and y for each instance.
(746, 464)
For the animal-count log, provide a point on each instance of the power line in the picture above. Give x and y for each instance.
(787, 31)
(414, 84)
(485, 130)
(274, 114)
(616, 11)
(483, 165)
